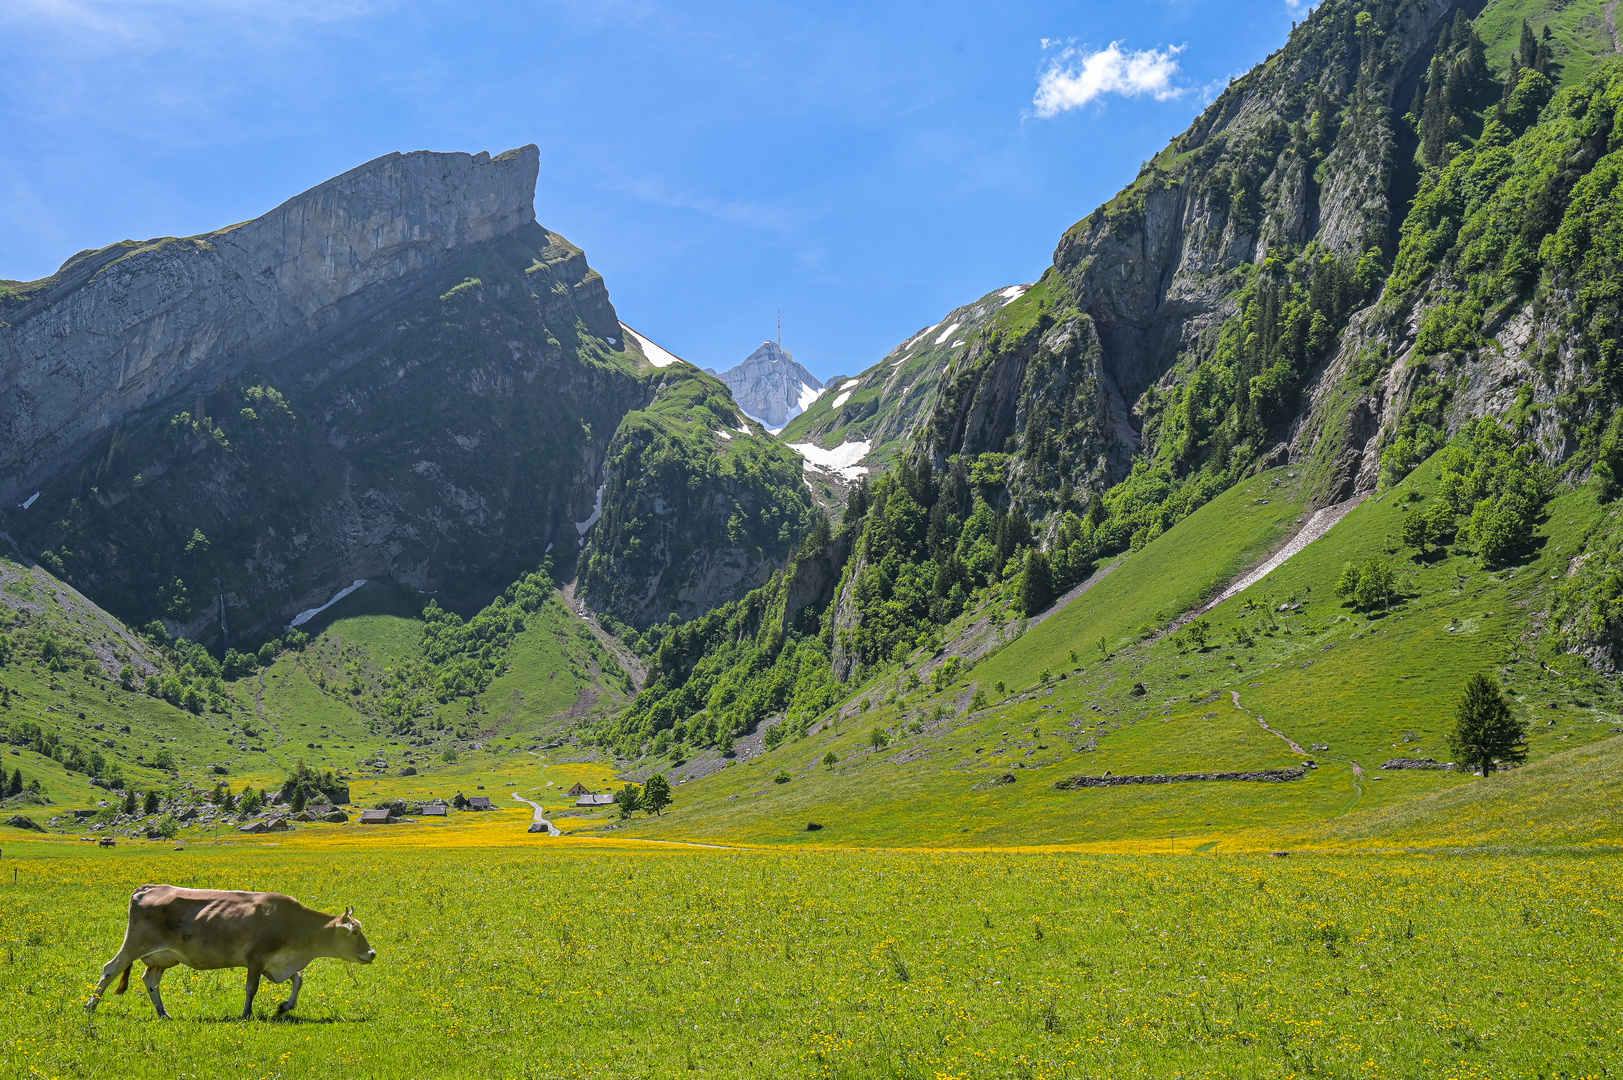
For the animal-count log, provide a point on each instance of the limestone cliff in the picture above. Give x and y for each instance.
(117, 330)
(398, 374)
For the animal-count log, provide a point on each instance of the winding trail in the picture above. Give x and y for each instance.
(552, 830)
(1357, 769)
(1235, 694)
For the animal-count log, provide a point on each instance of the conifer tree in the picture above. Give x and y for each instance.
(1485, 731)
(1036, 584)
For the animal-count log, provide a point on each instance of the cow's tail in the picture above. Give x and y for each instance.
(124, 983)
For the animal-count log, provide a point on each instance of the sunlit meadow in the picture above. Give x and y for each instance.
(590, 959)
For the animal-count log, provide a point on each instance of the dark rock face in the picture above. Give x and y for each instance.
(770, 387)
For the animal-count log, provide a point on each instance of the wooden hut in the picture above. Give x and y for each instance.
(377, 817)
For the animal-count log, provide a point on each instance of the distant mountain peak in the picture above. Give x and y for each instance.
(770, 386)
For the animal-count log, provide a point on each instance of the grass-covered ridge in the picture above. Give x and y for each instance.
(884, 404)
(698, 502)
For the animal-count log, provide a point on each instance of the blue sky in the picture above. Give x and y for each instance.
(864, 167)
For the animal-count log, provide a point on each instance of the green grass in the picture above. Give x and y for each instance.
(1368, 687)
(1580, 30)
(569, 961)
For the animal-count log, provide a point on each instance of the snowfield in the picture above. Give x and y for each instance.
(841, 400)
(656, 355)
(841, 460)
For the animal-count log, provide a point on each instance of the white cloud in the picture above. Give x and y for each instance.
(1075, 77)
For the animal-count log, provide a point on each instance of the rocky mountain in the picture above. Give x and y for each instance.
(859, 425)
(399, 374)
(1394, 243)
(770, 387)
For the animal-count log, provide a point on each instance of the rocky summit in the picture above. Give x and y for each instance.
(771, 387)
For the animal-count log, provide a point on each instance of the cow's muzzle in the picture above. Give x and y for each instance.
(368, 956)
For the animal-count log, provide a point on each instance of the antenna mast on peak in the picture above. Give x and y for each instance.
(780, 328)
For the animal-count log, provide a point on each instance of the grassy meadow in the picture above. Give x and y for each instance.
(507, 955)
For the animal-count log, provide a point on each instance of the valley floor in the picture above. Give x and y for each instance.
(514, 955)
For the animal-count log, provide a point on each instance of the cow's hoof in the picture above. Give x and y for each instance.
(165, 1016)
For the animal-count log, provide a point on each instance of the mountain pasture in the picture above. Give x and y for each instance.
(606, 959)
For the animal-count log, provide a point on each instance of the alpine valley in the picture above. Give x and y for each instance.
(1201, 542)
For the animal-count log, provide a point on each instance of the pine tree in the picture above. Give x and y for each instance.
(129, 801)
(152, 803)
(1544, 57)
(1527, 49)
(1036, 584)
(1485, 731)
(16, 785)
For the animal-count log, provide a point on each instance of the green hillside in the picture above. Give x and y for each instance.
(362, 696)
(1367, 686)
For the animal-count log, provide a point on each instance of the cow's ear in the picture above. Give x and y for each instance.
(349, 912)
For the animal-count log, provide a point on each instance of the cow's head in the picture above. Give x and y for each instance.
(350, 939)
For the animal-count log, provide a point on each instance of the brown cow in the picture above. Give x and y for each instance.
(267, 933)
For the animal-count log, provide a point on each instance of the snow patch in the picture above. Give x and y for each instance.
(30, 500)
(909, 343)
(1013, 293)
(947, 333)
(305, 616)
(807, 396)
(841, 400)
(724, 435)
(656, 355)
(597, 512)
(849, 383)
(841, 460)
(957, 343)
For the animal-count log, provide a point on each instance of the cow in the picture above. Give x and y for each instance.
(271, 935)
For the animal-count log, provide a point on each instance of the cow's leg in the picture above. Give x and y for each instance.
(293, 998)
(254, 971)
(151, 978)
(118, 965)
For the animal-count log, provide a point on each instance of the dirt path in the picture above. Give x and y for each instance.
(628, 660)
(1064, 601)
(552, 830)
(1357, 769)
(1295, 747)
